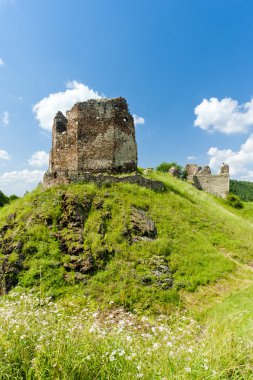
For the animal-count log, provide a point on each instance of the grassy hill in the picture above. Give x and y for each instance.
(144, 271)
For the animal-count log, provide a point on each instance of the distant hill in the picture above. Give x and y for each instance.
(243, 189)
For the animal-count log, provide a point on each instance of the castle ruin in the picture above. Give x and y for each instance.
(203, 179)
(96, 136)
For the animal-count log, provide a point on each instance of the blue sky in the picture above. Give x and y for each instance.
(164, 56)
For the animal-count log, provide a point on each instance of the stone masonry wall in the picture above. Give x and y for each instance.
(217, 185)
(96, 136)
(203, 179)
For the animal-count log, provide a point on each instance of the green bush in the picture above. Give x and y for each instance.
(3, 199)
(164, 167)
(234, 201)
(13, 197)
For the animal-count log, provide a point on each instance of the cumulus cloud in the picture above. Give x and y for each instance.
(225, 116)
(46, 109)
(39, 159)
(1, 62)
(6, 118)
(4, 155)
(240, 162)
(138, 119)
(18, 182)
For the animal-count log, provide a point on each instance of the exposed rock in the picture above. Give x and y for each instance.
(160, 273)
(174, 171)
(10, 267)
(142, 227)
(82, 265)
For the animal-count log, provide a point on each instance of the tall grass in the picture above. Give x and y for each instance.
(73, 339)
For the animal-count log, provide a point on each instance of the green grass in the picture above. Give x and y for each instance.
(74, 339)
(194, 231)
(119, 321)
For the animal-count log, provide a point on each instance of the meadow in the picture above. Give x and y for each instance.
(113, 324)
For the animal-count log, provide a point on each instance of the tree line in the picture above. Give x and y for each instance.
(242, 189)
(6, 200)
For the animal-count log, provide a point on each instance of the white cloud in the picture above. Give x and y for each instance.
(4, 155)
(46, 109)
(240, 162)
(39, 159)
(225, 116)
(138, 119)
(6, 118)
(190, 158)
(1, 62)
(18, 182)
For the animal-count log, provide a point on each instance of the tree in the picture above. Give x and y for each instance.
(3, 199)
(13, 197)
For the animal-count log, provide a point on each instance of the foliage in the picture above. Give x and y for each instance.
(3, 199)
(234, 201)
(242, 189)
(164, 167)
(13, 197)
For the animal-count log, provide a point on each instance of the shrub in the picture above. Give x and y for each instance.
(3, 199)
(13, 197)
(234, 201)
(164, 167)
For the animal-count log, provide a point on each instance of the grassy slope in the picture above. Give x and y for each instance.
(199, 236)
(209, 249)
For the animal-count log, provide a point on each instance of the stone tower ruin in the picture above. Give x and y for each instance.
(96, 136)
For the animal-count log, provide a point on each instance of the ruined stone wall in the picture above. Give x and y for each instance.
(100, 179)
(63, 155)
(97, 136)
(216, 184)
(203, 179)
(191, 170)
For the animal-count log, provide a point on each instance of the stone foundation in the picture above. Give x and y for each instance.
(101, 179)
